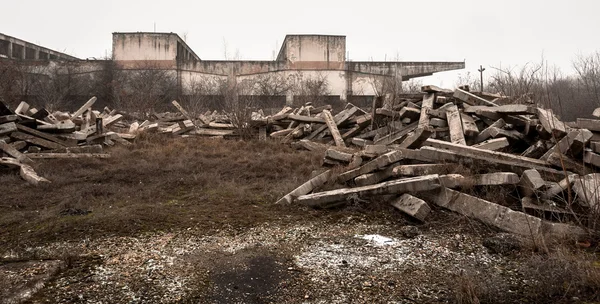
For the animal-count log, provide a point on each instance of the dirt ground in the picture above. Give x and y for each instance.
(193, 221)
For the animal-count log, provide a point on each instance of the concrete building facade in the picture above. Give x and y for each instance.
(301, 58)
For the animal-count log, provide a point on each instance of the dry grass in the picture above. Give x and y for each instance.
(562, 276)
(158, 184)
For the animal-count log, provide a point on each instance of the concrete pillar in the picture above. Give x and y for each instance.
(10, 48)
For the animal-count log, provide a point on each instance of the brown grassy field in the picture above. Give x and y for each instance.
(159, 184)
(193, 220)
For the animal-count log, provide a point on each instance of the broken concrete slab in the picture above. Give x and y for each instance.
(551, 123)
(587, 189)
(416, 139)
(472, 99)
(531, 183)
(469, 127)
(486, 133)
(556, 188)
(590, 124)
(487, 212)
(339, 141)
(428, 100)
(455, 125)
(572, 144)
(413, 206)
(8, 128)
(338, 155)
(422, 169)
(328, 199)
(378, 163)
(307, 187)
(12, 151)
(374, 178)
(493, 144)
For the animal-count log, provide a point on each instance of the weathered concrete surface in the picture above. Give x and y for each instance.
(551, 123)
(590, 124)
(591, 158)
(587, 189)
(338, 155)
(493, 144)
(307, 187)
(455, 124)
(12, 151)
(531, 183)
(378, 163)
(422, 169)
(416, 139)
(469, 127)
(426, 105)
(413, 206)
(431, 154)
(338, 197)
(556, 188)
(487, 212)
(488, 179)
(486, 133)
(572, 144)
(472, 99)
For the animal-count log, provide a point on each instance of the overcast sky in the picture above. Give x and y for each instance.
(491, 33)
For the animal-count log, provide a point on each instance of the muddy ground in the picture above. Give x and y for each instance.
(193, 221)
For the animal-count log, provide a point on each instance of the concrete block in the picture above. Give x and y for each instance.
(551, 123)
(422, 169)
(413, 206)
(590, 124)
(487, 212)
(306, 188)
(595, 146)
(468, 124)
(7, 128)
(374, 178)
(455, 125)
(572, 144)
(337, 137)
(338, 155)
(493, 144)
(531, 183)
(410, 113)
(591, 158)
(556, 188)
(416, 139)
(338, 197)
(438, 122)
(485, 134)
(587, 189)
(378, 163)
(427, 104)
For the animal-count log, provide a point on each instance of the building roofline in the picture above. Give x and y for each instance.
(303, 35)
(41, 47)
(163, 33)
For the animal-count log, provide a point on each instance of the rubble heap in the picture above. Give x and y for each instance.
(410, 153)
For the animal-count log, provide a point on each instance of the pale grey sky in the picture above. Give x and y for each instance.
(507, 32)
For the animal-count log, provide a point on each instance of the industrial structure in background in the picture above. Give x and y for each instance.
(301, 58)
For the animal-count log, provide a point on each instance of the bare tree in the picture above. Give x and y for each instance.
(145, 89)
(588, 70)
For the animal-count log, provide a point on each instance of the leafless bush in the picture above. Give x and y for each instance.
(588, 70)
(203, 94)
(311, 89)
(239, 103)
(145, 89)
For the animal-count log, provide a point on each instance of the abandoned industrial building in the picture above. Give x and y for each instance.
(301, 58)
